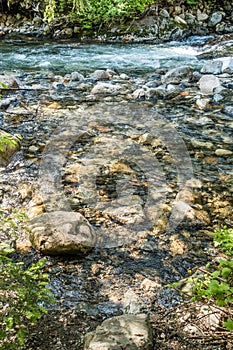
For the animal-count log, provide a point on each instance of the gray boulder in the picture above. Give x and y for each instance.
(228, 110)
(76, 76)
(62, 232)
(9, 144)
(215, 18)
(125, 332)
(106, 88)
(176, 75)
(227, 66)
(100, 74)
(214, 67)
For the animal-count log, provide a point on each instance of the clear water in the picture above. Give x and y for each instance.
(65, 57)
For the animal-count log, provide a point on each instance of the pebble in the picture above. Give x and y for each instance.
(223, 152)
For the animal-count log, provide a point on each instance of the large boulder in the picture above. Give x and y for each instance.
(214, 67)
(125, 332)
(208, 83)
(9, 144)
(62, 232)
(176, 75)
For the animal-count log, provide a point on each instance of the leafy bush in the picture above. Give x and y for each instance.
(89, 13)
(23, 290)
(22, 293)
(216, 285)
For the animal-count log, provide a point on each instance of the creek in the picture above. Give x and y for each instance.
(173, 135)
(66, 57)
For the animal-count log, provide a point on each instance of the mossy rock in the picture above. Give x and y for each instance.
(7, 82)
(9, 144)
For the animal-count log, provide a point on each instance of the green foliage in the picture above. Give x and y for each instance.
(3, 86)
(216, 284)
(23, 291)
(91, 13)
(13, 223)
(50, 8)
(224, 238)
(9, 140)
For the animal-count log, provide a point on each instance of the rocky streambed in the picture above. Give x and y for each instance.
(146, 160)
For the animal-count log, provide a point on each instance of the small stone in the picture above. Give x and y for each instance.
(177, 247)
(228, 110)
(76, 76)
(9, 144)
(106, 88)
(176, 75)
(202, 103)
(124, 76)
(180, 20)
(227, 66)
(100, 74)
(139, 94)
(9, 81)
(201, 144)
(33, 149)
(148, 284)
(201, 16)
(223, 152)
(132, 303)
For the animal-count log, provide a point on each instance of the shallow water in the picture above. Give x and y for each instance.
(75, 283)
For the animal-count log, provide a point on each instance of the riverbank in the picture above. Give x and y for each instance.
(156, 24)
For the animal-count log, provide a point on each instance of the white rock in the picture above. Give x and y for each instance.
(106, 88)
(208, 83)
(129, 332)
(223, 152)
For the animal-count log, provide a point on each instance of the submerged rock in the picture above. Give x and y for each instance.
(9, 144)
(62, 232)
(131, 332)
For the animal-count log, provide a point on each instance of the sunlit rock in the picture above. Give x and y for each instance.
(208, 83)
(131, 332)
(176, 75)
(62, 232)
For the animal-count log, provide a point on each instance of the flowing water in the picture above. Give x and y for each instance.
(63, 57)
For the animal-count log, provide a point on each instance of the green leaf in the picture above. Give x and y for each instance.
(3, 85)
(226, 271)
(215, 274)
(9, 322)
(20, 336)
(228, 324)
